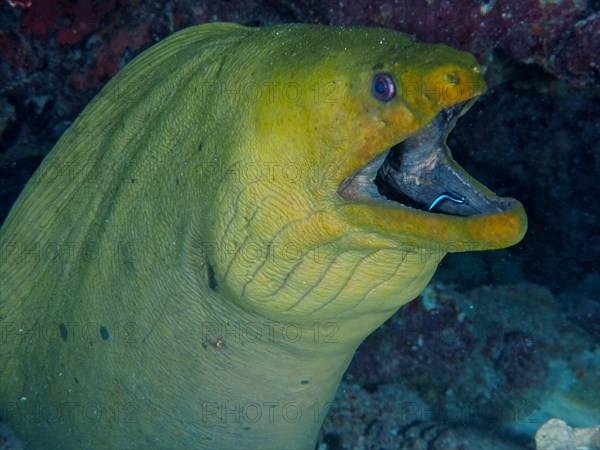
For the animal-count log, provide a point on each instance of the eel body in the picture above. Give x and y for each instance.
(195, 262)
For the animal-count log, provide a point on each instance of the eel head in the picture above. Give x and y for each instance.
(372, 108)
(400, 176)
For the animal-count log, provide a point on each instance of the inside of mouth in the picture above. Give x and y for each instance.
(420, 173)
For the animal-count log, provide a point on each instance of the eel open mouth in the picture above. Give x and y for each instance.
(420, 173)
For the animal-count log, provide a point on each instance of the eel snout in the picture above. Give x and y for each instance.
(420, 173)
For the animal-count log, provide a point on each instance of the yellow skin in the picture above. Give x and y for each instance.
(186, 211)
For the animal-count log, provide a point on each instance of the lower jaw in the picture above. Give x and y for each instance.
(401, 226)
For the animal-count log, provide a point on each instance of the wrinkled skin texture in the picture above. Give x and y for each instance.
(147, 249)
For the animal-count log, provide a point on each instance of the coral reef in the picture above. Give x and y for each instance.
(561, 36)
(505, 355)
(394, 416)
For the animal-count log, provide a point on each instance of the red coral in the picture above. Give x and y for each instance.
(69, 22)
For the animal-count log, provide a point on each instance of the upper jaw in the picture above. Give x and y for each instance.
(419, 173)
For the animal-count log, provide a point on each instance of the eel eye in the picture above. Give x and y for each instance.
(384, 88)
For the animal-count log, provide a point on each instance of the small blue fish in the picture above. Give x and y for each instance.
(447, 195)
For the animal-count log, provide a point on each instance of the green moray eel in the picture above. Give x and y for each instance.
(195, 262)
